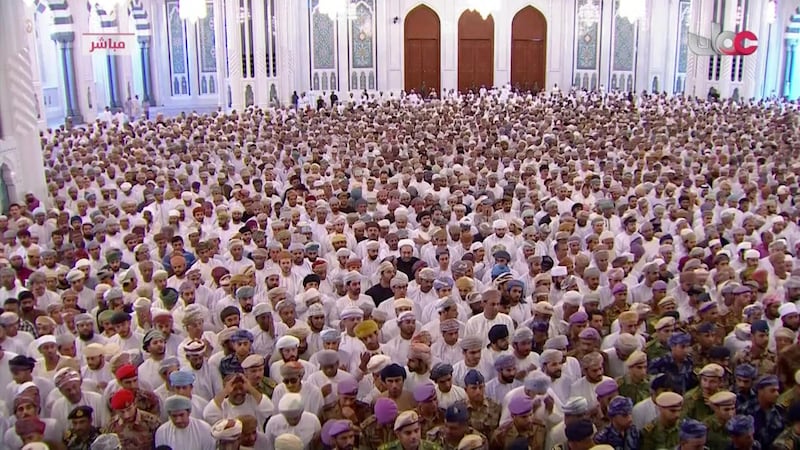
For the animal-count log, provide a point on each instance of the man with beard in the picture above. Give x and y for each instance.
(430, 416)
(154, 345)
(506, 379)
(27, 307)
(96, 368)
(408, 431)
(125, 338)
(68, 383)
(288, 348)
(244, 297)
(407, 259)
(346, 406)
(343, 435)
(182, 430)
(239, 397)
(81, 433)
(329, 375)
(207, 382)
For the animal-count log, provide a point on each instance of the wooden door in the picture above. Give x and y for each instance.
(528, 50)
(422, 51)
(475, 51)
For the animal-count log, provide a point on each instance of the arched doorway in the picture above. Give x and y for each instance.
(422, 50)
(475, 51)
(528, 49)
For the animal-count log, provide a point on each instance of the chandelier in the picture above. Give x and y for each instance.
(633, 10)
(589, 13)
(192, 10)
(484, 7)
(337, 8)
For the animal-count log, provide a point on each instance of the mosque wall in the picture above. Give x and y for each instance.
(258, 52)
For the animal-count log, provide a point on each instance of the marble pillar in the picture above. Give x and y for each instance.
(791, 46)
(144, 54)
(66, 49)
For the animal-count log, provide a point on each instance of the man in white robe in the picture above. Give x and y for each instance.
(183, 430)
(293, 420)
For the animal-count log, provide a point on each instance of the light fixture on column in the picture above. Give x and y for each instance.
(109, 6)
(192, 10)
(589, 13)
(633, 10)
(771, 11)
(336, 9)
(484, 7)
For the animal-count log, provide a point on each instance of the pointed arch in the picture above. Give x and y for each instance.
(529, 49)
(422, 49)
(475, 51)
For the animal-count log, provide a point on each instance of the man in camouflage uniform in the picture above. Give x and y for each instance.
(346, 406)
(81, 433)
(634, 384)
(376, 430)
(253, 367)
(135, 428)
(484, 413)
(724, 405)
(409, 434)
(790, 438)
(704, 336)
(656, 348)
(522, 425)
(758, 354)
(456, 419)
(663, 431)
(430, 416)
(696, 400)
(128, 378)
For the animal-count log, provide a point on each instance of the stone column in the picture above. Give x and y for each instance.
(234, 49)
(111, 67)
(71, 105)
(144, 54)
(791, 46)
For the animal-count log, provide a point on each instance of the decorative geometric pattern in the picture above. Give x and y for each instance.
(361, 37)
(324, 46)
(624, 44)
(587, 48)
(207, 53)
(683, 32)
(177, 38)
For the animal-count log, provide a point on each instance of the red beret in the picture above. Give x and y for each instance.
(30, 425)
(125, 372)
(319, 262)
(122, 399)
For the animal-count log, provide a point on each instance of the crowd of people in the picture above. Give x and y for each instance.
(570, 270)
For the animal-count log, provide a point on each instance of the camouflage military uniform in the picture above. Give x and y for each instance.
(634, 391)
(535, 435)
(334, 411)
(788, 397)
(655, 436)
(764, 364)
(655, 349)
(788, 440)
(374, 435)
(147, 401)
(139, 434)
(718, 436)
(484, 418)
(694, 405)
(423, 445)
(729, 320)
(613, 311)
(429, 423)
(700, 357)
(439, 436)
(266, 386)
(75, 442)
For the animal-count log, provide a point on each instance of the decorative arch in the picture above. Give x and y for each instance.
(422, 48)
(141, 20)
(475, 51)
(529, 50)
(63, 22)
